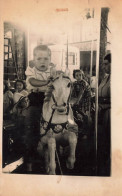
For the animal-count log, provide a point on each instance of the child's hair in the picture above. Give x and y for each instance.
(77, 70)
(21, 82)
(41, 47)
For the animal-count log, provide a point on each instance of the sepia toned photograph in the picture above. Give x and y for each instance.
(57, 95)
(60, 98)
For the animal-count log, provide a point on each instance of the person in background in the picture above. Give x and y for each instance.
(102, 73)
(86, 75)
(104, 103)
(7, 101)
(19, 107)
(19, 90)
(80, 98)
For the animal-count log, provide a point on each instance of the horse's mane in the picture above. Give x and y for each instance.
(48, 92)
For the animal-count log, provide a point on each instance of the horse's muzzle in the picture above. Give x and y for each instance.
(61, 110)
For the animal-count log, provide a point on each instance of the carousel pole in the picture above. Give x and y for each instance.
(91, 59)
(91, 62)
(67, 62)
(67, 42)
(91, 65)
(97, 79)
(67, 52)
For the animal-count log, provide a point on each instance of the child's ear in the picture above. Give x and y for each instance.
(31, 63)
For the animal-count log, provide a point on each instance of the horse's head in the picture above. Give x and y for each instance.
(60, 93)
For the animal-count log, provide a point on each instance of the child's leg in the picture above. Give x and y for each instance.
(32, 132)
(32, 126)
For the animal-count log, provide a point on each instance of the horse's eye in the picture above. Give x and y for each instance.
(68, 85)
(52, 87)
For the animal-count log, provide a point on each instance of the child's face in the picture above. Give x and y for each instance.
(19, 86)
(78, 76)
(25, 102)
(42, 60)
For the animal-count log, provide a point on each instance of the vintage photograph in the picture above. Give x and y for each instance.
(57, 95)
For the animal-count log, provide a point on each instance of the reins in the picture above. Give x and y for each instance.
(49, 123)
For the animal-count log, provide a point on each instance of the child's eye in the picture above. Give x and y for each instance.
(39, 59)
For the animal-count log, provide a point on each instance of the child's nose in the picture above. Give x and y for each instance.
(42, 60)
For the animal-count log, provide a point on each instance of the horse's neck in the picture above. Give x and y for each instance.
(47, 112)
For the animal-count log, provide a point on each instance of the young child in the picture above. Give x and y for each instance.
(38, 70)
(80, 97)
(19, 90)
(81, 91)
(38, 73)
(19, 108)
(38, 77)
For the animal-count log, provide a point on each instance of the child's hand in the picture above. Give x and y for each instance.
(79, 117)
(49, 79)
(73, 101)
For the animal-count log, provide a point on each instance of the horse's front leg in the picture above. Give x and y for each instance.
(46, 159)
(51, 150)
(72, 140)
(43, 152)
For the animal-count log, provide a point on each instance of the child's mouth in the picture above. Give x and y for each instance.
(42, 66)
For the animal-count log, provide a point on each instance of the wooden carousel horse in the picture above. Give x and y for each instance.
(57, 125)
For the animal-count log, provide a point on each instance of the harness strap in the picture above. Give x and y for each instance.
(49, 123)
(57, 128)
(54, 100)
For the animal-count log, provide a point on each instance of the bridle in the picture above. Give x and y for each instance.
(55, 106)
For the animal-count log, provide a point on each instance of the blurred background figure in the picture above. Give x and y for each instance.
(20, 90)
(104, 135)
(80, 100)
(7, 101)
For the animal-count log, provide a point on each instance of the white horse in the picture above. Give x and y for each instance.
(58, 126)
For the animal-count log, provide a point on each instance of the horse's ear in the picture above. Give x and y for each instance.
(53, 72)
(61, 75)
(67, 72)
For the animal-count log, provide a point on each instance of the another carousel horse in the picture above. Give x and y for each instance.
(58, 126)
